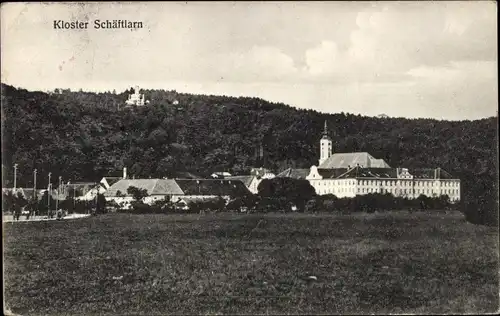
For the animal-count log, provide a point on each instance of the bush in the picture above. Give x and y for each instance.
(314, 205)
(248, 202)
(272, 204)
(482, 210)
(379, 202)
(296, 191)
(210, 205)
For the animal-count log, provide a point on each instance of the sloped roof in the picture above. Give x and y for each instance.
(28, 193)
(425, 173)
(294, 173)
(259, 171)
(345, 160)
(430, 173)
(152, 186)
(379, 163)
(212, 187)
(358, 172)
(180, 187)
(81, 188)
(331, 173)
(58, 195)
(112, 180)
(247, 180)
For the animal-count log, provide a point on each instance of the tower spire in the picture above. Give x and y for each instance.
(325, 131)
(325, 145)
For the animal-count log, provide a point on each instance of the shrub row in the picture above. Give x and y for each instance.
(329, 203)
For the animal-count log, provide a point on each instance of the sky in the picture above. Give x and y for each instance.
(403, 59)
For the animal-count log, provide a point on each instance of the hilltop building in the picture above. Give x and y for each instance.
(136, 98)
(358, 173)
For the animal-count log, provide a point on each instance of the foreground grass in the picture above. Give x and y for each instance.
(249, 264)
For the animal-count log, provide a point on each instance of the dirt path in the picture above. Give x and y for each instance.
(10, 218)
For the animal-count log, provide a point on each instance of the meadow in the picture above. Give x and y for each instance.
(393, 262)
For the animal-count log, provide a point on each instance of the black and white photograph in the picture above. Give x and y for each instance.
(250, 158)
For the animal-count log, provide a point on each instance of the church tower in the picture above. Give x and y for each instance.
(325, 149)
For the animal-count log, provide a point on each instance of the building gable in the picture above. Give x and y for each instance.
(294, 173)
(314, 174)
(350, 160)
(152, 186)
(212, 187)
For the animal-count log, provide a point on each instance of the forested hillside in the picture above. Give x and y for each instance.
(84, 136)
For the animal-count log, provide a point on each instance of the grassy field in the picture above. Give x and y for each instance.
(249, 264)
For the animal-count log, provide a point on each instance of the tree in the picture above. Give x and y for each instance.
(32, 206)
(42, 203)
(8, 202)
(137, 194)
(223, 132)
(166, 166)
(101, 204)
(20, 202)
(298, 191)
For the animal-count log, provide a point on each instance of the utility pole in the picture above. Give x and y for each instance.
(69, 195)
(48, 195)
(74, 196)
(58, 193)
(15, 177)
(34, 191)
(96, 193)
(34, 183)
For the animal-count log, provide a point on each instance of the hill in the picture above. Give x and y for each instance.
(83, 136)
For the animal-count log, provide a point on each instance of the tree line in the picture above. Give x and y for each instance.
(83, 136)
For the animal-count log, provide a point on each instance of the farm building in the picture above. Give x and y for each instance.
(176, 190)
(294, 173)
(83, 191)
(253, 180)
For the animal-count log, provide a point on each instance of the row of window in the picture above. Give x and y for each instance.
(400, 192)
(392, 190)
(408, 191)
(388, 183)
(451, 191)
(325, 183)
(338, 190)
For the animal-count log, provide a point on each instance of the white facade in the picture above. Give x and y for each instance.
(254, 184)
(125, 201)
(136, 98)
(403, 185)
(91, 194)
(351, 174)
(325, 149)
